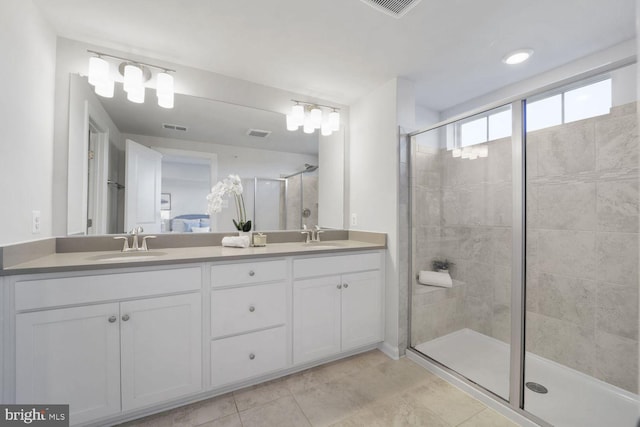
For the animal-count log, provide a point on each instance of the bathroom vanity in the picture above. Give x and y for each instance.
(121, 336)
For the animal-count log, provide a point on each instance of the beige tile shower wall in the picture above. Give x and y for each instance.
(582, 252)
(462, 213)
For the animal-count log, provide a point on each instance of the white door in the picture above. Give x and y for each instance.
(316, 318)
(161, 349)
(70, 356)
(143, 180)
(361, 309)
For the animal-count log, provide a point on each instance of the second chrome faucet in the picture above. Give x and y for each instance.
(134, 244)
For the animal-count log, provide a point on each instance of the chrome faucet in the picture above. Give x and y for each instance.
(317, 232)
(309, 238)
(134, 244)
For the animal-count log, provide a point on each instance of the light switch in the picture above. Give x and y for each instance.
(354, 219)
(35, 222)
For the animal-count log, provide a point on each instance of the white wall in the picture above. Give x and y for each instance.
(28, 46)
(374, 179)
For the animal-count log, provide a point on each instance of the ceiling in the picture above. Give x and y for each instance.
(341, 49)
(207, 120)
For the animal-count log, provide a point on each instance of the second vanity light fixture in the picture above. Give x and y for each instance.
(135, 74)
(311, 117)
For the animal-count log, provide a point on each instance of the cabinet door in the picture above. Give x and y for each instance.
(72, 356)
(361, 309)
(161, 349)
(316, 318)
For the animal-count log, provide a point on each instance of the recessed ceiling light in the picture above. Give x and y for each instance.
(517, 57)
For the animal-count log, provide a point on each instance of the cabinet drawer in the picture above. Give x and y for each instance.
(248, 272)
(340, 264)
(244, 309)
(249, 355)
(34, 294)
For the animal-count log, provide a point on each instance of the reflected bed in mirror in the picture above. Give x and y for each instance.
(139, 164)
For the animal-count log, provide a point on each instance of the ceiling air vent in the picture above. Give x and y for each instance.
(396, 8)
(258, 133)
(174, 127)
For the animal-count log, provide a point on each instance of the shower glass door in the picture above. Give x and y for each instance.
(462, 247)
(581, 360)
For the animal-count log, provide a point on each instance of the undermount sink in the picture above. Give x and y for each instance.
(127, 256)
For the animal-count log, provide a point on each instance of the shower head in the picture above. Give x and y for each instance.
(310, 168)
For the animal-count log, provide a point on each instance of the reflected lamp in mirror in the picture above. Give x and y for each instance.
(311, 117)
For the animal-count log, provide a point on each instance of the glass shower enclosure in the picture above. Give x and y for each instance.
(524, 238)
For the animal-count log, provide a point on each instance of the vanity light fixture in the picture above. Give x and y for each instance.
(135, 74)
(311, 117)
(517, 57)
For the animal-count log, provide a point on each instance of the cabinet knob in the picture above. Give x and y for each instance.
(252, 308)
(125, 317)
(252, 273)
(112, 319)
(252, 356)
(339, 286)
(346, 285)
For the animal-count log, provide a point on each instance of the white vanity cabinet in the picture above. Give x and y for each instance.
(337, 305)
(104, 358)
(249, 320)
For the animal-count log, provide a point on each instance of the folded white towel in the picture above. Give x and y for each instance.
(236, 241)
(435, 278)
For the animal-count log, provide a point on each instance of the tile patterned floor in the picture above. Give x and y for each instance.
(364, 390)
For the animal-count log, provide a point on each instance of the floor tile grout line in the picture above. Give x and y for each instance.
(464, 421)
(301, 410)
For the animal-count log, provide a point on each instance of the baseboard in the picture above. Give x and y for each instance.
(389, 350)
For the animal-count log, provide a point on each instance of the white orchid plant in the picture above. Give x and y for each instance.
(232, 185)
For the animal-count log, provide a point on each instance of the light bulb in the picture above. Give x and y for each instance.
(517, 57)
(164, 85)
(316, 117)
(292, 125)
(98, 71)
(334, 120)
(132, 78)
(106, 89)
(326, 129)
(308, 125)
(136, 96)
(166, 101)
(297, 114)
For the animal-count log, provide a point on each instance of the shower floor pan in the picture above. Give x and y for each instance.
(573, 399)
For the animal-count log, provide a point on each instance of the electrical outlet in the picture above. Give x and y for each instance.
(35, 222)
(354, 219)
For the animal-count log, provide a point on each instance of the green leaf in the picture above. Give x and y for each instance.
(237, 225)
(247, 226)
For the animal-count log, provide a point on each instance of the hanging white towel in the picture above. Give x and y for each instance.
(236, 241)
(435, 278)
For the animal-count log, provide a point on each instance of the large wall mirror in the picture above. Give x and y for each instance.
(139, 164)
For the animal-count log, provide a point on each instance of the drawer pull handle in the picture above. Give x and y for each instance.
(346, 285)
(252, 273)
(112, 319)
(125, 317)
(339, 286)
(252, 309)
(252, 356)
